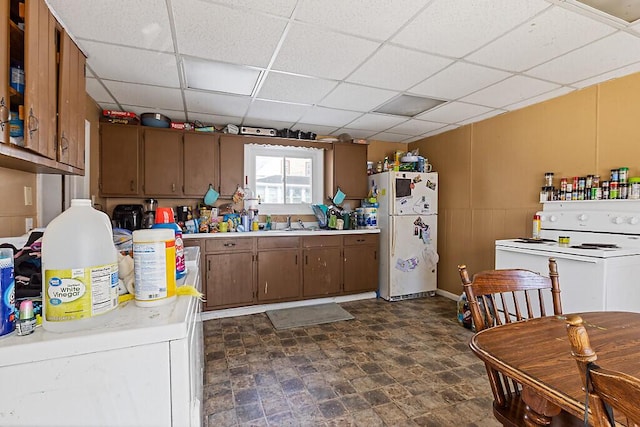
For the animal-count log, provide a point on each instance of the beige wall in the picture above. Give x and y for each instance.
(491, 171)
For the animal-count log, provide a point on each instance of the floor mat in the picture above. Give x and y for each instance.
(287, 318)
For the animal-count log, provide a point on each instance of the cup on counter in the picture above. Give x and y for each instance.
(339, 224)
(223, 226)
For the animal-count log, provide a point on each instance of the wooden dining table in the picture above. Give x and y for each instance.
(537, 354)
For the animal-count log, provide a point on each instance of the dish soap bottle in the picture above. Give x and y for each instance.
(536, 227)
(164, 219)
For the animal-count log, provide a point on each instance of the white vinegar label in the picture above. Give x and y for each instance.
(150, 262)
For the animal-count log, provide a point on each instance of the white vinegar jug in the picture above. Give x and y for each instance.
(79, 270)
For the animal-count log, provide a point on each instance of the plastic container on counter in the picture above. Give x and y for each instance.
(80, 269)
(634, 190)
(164, 219)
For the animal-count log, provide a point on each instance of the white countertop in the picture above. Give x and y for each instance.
(130, 326)
(275, 233)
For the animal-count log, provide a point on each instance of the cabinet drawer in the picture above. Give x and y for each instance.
(278, 242)
(230, 244)
(361, 239)
(321, 241)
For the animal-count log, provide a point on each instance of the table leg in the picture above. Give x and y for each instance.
(539, 411)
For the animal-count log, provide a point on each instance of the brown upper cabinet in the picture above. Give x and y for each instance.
(162, 162)
(120, 150)
(347, 169)
(52, 104)
(200, 163)
(231, 164)
(71, 104)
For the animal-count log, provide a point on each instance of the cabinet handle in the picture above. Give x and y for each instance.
(230, 244)
(375, 255)
(173, 187)
(209, 265)
(306, 259)
(359, 240)
(266, 287)
(131, 185)
(4, 113)
(32, 123)
(296, 259)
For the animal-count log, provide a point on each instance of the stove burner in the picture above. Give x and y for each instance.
(596, 246)
(531, 240)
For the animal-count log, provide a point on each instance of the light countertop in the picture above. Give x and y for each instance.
(275, 233)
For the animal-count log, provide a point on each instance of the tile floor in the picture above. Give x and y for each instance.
(396, 364)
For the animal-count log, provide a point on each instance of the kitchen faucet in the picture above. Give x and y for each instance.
(288, 224)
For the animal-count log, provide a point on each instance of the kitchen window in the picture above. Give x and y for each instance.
(286, 179)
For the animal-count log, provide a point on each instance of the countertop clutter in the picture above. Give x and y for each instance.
(143, 368)
(280, 233)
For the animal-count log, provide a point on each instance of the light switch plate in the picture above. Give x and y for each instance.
(28, 224)
(28, 196)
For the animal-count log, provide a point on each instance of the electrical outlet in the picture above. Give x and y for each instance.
(28, 196)
(28, 224)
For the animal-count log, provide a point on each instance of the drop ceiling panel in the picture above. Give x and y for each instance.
(453, 112)
(213, 119)
(415, 127)
(458, 80)
(292, 88)
(224, 34)
(509, 91)
(390, 136)
(554, 32)
(623, 71)
(317, 129)
(441, 130)
(132, 23)
(328, 117)
(132, 65)
(281, 111)
(275, 7)
(97, 91)
(480, 117)
(376, 122)
(394, 67)
(375, 19)
(457, 27)
(320, 53)
(216, 103)
(349, 96)
(144, 95)
(544, 97)
(615, 51)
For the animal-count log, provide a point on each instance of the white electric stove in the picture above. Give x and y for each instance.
(599, 269)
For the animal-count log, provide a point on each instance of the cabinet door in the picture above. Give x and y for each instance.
(4, 72)
(350, 169)
(71, 104)
(231, 164)
(119, 160)
(162, 162)
(200, 166)
(229, 279)
(360, 268)
(40, 79)
(322, 271)
(278, 275)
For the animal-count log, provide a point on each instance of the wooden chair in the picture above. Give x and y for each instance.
(615, 389)
(522, 292)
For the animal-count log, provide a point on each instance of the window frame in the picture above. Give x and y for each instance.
(317, 175)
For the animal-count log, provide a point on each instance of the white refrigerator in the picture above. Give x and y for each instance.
(408, 222)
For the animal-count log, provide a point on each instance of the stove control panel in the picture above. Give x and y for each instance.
(599, 221)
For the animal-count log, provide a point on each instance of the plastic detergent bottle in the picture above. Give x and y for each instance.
(79, 270)
(164, 219)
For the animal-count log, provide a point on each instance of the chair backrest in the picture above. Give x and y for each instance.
(502, 296)
(620, 391)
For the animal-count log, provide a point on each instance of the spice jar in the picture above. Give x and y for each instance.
(623, 175)
(634, 187)
(548, 179)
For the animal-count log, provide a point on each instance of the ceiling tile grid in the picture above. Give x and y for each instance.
(327, 65)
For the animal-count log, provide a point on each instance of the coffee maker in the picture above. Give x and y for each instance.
(128, 216)
(150, 206)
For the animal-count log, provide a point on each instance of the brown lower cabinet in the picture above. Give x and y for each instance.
(278, 268)
(229, 272)
(240, 271)
(322, 266)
